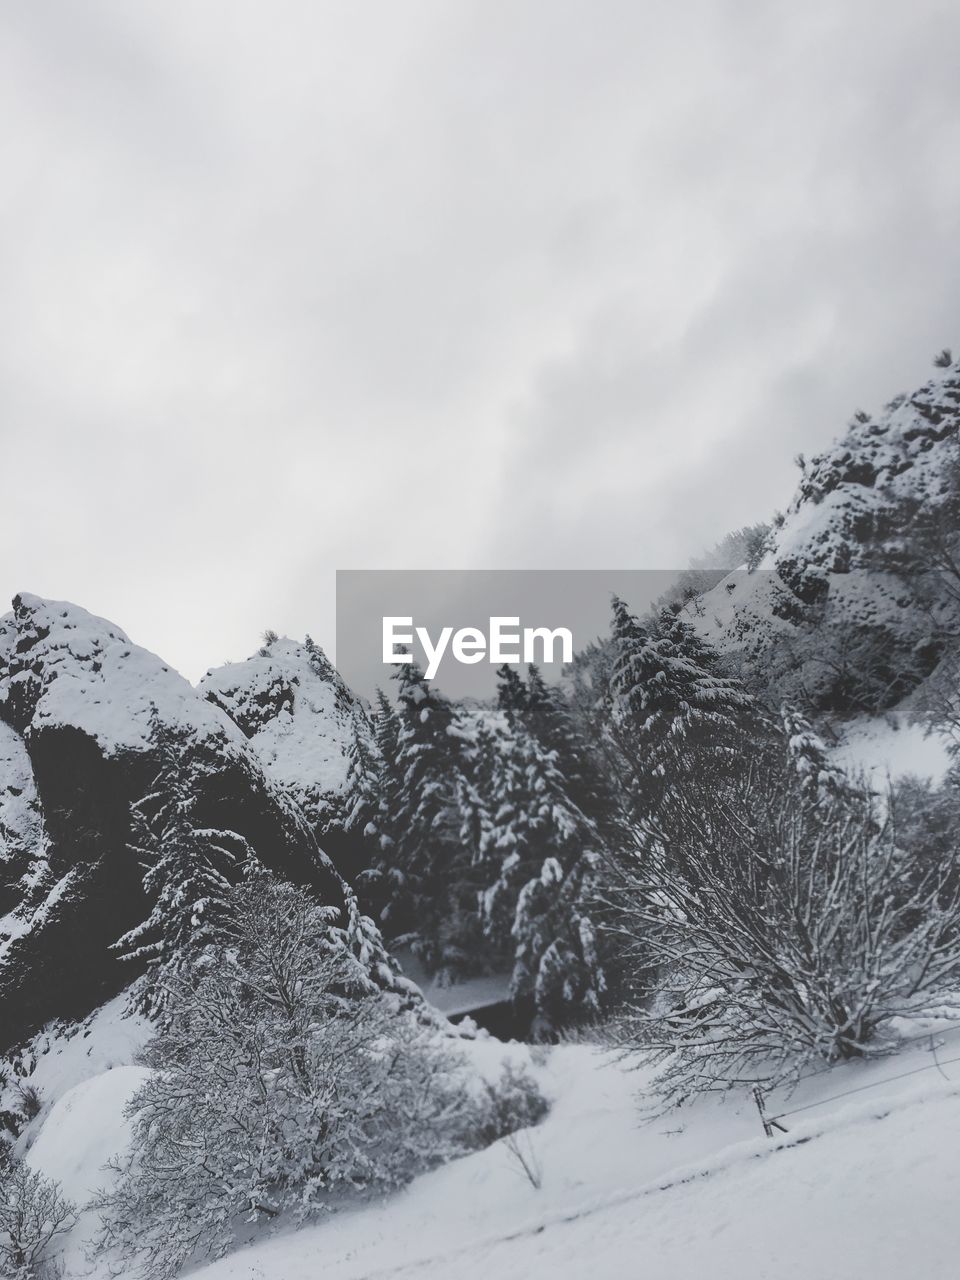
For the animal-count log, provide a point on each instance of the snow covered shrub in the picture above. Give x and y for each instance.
(788, 924)
(33, 1212)
(281, 1078)
(19, 1104)
(513, 1103)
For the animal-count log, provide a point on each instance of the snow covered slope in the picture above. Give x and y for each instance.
(862, 1189)
(862, 1186)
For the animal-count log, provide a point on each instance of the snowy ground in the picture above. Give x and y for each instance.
(861, 1187)
(862, 1190)
(891, 746)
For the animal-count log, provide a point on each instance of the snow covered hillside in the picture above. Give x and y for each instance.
(850, 610)
(863, 1186)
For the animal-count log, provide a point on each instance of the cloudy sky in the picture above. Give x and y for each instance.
(288, 287)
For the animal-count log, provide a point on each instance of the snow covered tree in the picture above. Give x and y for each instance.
(819, 776)
(425, 870)
(386, 730)
(788, 924)
(280, 1081)
(531, 819)
(353, 840)
(543, 848)
(33, 1213)
(188, 868)
(559, 960)
(675, 709)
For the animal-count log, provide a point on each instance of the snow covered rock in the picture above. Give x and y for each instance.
(833, 613)
(22, 839)
(77, 700)
(301, 721)
(860, 488)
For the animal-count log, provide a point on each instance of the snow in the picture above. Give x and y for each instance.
(892, 746)
(86, 1128)
(861, 1186)
(299, 722)
(72, 668)
(861, 1190)
(740, 611)
(20, 825)
(791, 1214)
(60, 1057)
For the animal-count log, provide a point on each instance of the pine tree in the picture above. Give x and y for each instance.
(550, 716)
(820, 778)
(541, 846)
(352, 839)
(386, 732)
(425, 869)
(674, 707)
(187, 869)
(364, 770)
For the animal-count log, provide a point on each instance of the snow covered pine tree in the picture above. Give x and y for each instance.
(187, 869)
(544, 845)
(425, 871)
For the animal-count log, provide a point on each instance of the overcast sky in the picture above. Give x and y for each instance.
(288, 287)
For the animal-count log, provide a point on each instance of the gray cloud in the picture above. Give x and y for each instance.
(300, 286)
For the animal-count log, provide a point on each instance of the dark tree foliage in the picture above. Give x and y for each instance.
(425, 872)
(543, 842)
(675, 710)
(188, 868)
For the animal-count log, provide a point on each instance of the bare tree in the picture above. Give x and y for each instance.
(33, 1213)
(523, 1153)
(786, 926)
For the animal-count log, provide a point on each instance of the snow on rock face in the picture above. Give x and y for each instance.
(855, 489)
(77, 695)
(21, 825)
(68, 667)
(860, 642)
(23, 843)
(63, 1055)
(299, 717)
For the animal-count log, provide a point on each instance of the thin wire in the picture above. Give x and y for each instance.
(936, 1058)
(875, 1084)
(953, 1026)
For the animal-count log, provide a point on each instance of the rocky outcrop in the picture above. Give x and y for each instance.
(77, 701)
(834, 614)
(309, 731)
